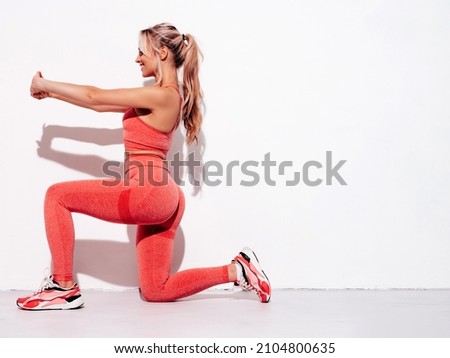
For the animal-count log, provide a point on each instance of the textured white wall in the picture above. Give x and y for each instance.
(367, 81)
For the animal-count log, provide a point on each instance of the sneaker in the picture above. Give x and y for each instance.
(51, 296)
(254, 278)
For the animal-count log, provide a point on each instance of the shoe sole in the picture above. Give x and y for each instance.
(258, 268)
(73, 305)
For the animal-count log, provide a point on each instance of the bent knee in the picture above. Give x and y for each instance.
(154, 295)
(54, 191)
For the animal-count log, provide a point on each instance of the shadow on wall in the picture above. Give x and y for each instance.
(112, 261)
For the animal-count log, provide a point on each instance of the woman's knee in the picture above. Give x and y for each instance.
(54, 192)
(154, 294)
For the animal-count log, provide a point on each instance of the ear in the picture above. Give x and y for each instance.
(163, 53)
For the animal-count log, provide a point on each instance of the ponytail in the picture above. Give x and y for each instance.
(185, 53)
(193, 96)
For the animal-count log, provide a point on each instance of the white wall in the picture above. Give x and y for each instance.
(368, 81)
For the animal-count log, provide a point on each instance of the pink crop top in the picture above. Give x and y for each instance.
(139, 135)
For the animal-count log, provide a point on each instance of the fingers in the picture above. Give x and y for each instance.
(34, 88)
(39, 95)
(34, 80)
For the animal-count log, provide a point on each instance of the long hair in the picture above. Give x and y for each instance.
(186, 55)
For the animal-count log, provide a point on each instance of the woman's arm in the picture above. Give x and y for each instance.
(149, 97)
(35, 93)
(97, 108)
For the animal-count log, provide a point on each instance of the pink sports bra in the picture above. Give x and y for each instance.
(141, 136)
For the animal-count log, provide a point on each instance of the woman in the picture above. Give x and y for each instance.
(149, 197)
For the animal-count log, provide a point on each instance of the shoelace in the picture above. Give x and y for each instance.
(47, 282)
(246, 286)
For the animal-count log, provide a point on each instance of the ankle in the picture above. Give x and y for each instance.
(232, 272)
(65, 284)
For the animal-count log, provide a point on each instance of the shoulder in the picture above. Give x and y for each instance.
(161, 94)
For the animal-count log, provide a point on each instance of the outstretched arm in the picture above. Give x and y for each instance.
(36, 93)
(97, 108)
(99, 99)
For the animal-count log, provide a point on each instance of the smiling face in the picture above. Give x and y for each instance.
(155, 53)
(147, 63)
(147, 57)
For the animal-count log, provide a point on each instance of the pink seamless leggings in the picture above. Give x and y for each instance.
(149, 198)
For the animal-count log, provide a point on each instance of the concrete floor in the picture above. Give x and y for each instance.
(233, 313)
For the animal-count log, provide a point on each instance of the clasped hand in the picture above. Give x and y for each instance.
(35, 91)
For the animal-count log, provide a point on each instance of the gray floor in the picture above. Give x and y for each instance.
(232, 313)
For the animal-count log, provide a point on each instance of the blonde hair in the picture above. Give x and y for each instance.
(185, 53)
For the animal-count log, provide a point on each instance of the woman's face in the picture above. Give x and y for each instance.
(147, 63)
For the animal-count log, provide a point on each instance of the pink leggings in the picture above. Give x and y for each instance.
(149, 198)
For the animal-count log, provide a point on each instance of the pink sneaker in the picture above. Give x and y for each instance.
(52, 296)
(254, 278)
